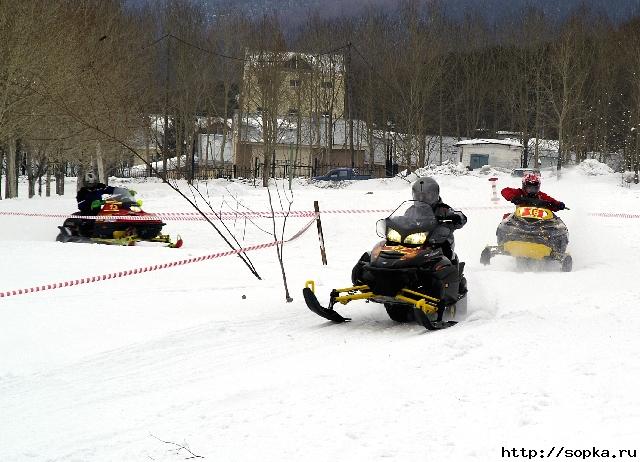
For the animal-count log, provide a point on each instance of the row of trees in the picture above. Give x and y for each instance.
(80, 77)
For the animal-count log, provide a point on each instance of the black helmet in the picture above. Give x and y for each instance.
(426, 189)
(90, 179)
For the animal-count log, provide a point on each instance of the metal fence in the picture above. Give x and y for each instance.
(276, 170)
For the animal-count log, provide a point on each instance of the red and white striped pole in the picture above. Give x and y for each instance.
(494, 191)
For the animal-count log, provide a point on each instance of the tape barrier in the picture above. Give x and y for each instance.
(193, 216)
(146, 269)
(614, 215)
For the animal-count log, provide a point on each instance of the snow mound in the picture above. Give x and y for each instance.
(447, 168)
(322, 184)
(593, 167)
(488, 170)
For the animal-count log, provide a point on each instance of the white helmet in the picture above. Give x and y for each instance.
(90, 178)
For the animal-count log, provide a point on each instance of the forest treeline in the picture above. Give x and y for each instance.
(80, 77)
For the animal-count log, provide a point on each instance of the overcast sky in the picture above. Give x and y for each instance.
(493, 9)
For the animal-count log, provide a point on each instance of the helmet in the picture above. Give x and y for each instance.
(531, 184)
(90, 178)
(426, 189)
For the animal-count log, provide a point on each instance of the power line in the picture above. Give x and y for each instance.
(231, 57)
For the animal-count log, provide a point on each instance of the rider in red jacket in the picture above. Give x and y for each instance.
(530, 193)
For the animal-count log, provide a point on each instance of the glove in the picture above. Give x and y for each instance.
(132, 192)
(96, 204)
(561, 206)
(455, 218)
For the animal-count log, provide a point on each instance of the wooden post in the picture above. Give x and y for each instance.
(323, 254)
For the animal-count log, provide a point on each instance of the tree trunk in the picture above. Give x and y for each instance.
(11, 177)
(147, 150)
(31, 177)
(47, 186)
(179, 141)
(224, 126)
(102, 178)
(60, 174)
(265, 169)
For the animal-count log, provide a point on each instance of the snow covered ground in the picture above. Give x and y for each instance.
(207, 357)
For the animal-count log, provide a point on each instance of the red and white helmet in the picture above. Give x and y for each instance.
(531, 183)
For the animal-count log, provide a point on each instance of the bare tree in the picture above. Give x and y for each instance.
(565, 82)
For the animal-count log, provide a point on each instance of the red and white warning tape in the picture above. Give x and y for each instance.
(614, 215)
(193, 216)
(146, 269)
(168, 216)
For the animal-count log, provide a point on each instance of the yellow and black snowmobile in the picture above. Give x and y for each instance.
(409, 272)
(532, 233)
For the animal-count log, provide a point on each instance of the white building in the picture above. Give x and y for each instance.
(497, 153)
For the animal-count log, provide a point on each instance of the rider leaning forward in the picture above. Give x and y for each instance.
(530, 193)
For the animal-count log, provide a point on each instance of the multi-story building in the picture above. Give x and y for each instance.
(293, 99)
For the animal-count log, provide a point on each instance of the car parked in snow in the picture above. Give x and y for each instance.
(342, 174)
(520, 172)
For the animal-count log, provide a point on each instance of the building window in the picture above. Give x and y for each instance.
(327, 84)
(294, 83)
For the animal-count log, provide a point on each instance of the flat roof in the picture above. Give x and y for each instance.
(512, 143)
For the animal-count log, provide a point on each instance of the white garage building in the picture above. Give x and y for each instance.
(497, 153)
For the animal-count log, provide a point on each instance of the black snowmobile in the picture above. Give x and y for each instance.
(532, 233)
(120, 221)
(408, 272)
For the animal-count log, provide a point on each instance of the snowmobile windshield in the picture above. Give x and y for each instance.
(122, 195)
(409, 224)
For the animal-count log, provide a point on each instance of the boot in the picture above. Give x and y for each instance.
(462, 288)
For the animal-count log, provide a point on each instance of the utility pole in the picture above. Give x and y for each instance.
(350, 103)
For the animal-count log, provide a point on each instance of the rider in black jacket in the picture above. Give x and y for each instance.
(426, 193)
(89, 197)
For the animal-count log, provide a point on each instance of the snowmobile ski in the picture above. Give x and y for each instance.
(423, 305)
(428, 324)
(314, 305)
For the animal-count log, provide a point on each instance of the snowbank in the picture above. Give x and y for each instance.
(593, 167)
(447, 168)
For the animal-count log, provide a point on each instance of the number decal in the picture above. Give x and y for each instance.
(534, 212)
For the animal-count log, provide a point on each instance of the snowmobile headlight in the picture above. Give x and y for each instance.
(393, 236)
(135, 208)
(416, 238)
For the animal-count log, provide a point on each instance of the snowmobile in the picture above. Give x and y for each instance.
(120, 221)
(532, 233)
(408, 272)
